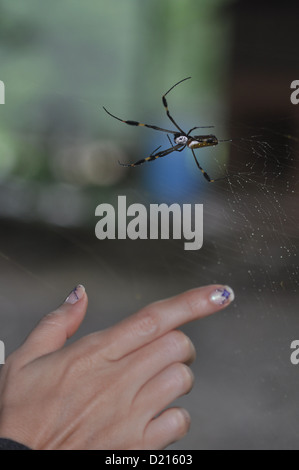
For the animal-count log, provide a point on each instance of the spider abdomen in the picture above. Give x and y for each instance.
(199, 141)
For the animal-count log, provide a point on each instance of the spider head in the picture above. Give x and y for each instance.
(180, 139)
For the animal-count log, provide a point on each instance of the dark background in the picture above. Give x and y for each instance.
(58, 160)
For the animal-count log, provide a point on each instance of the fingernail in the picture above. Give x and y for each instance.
(75, 295)
(222, 296)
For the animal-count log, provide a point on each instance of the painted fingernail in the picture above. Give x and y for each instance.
(222, 296)
(75, 295)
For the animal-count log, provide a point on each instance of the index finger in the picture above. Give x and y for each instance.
(160, 317)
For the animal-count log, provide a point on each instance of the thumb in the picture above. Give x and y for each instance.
(56, 327)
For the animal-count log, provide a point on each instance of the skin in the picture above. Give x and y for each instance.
(108, 390)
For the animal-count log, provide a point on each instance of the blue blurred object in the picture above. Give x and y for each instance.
(172, 178)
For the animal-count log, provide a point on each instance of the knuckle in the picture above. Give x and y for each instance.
(182, 344)
(147, 321)
(182, 421)
(51, 319)
(184, 377)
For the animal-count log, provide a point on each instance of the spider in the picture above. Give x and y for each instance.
(181, 139)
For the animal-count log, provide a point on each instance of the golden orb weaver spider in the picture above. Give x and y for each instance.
(181, 139)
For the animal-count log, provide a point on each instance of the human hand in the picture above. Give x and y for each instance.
(108, 390)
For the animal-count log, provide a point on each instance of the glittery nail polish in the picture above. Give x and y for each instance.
(75, 295)
(222, 296)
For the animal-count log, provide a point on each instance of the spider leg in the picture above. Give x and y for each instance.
(170, 140)
(188, 78)
(205, 174)
(164, 101)
(153, 156)
(136, 123)
(170, 117)
(155, 150)
(199, 127)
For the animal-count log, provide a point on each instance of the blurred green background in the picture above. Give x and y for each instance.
(61, 62)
